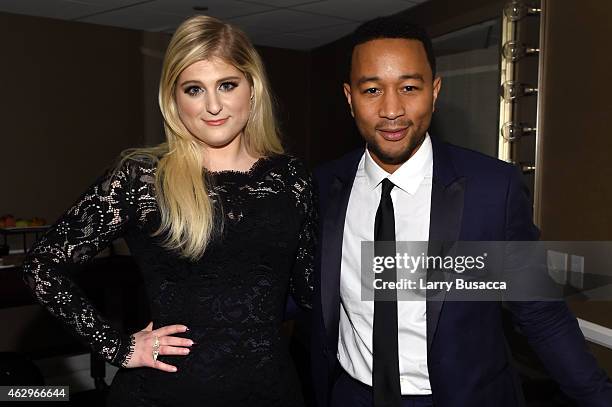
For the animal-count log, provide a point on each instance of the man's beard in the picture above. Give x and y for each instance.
(400, 158)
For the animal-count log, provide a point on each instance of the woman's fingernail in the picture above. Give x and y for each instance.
(186, 351)
(186, 329)
(174, 369)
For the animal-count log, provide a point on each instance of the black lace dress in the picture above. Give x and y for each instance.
(232, 300)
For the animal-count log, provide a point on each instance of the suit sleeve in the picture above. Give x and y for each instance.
(321, 374)
(550, 327)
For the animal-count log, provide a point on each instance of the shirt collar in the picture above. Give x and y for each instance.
(409, 175)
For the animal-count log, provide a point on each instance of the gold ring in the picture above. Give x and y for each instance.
(155, 348)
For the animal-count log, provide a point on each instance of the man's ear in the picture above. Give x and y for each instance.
(347, 93)
(437, 84)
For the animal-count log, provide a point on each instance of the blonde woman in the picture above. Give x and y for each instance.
(220, 222)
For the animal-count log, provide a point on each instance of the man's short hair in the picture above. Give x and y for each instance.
(393, 27)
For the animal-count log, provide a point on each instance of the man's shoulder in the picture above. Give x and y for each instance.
(465, 162)
(339, 166)
(469, 162)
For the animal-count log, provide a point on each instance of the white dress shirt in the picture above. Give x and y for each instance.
(412, 203)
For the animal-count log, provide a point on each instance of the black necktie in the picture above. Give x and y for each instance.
(385, 369)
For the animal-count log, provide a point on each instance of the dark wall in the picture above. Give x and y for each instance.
(288, 72)
(443, 16)
(71, 100)
(333, 131)
(576, 176)
(575, 143)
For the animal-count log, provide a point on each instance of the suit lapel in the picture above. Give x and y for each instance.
(447, 196)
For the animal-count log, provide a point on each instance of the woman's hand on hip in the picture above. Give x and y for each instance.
(151, 343)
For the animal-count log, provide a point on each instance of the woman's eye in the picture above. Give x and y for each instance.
(408, 88)
(193, 90)
(227, 86)
(370, 91)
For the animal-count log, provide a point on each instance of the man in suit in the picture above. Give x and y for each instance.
(408, 186)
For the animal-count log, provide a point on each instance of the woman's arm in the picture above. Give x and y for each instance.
(100, 215)
(301, 283)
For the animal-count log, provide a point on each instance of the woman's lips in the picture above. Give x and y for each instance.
(394, 134)
(218, 122)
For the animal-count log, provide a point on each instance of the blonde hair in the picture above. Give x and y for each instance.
(188, 221)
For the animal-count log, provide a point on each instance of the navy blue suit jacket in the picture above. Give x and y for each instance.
(474, 198)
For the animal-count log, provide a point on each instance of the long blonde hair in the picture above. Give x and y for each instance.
(187, 213)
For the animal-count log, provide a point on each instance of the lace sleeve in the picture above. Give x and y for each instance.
(99, 216)
(301, 284)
